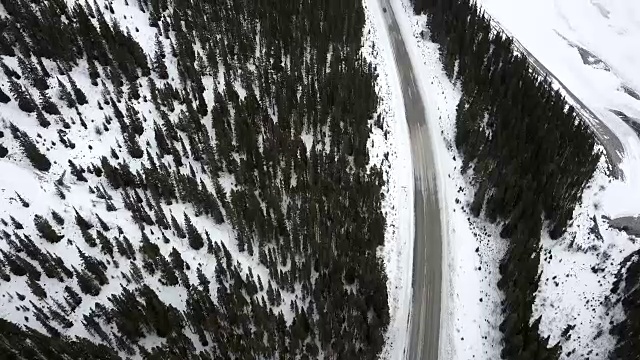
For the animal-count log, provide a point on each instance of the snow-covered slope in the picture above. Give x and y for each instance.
(591, 46)
(99, 138)
(107, 234)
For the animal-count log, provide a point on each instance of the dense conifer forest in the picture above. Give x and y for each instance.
(530, 156)
(278, 153)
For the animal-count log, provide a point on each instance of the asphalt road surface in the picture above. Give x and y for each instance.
(424, 322)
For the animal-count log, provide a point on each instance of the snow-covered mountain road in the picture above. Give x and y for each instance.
(424, 323)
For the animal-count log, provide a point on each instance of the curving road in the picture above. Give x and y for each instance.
(424, 322)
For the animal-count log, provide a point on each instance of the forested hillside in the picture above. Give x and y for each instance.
(529, 155)
(188, 180)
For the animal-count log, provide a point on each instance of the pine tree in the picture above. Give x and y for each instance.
(177, 228)
(72, 298)
(25, 102)
(82, 223)
(134, 90)
(87, 283)
(36, 288)
(57, 218)
(42, 119)
(209, 242)
(32, 73)
(47, 104)
(16, 224)
(66, 95)
(195, 238)
(158, 60)
(88, 238)
(46, 230)
(81, 98)
(94, 74)
(105, 244)
(30, 150)
(176, 260)
(94, 267)
(77, 172)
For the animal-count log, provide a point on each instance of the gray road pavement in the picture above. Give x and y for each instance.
(427, 256)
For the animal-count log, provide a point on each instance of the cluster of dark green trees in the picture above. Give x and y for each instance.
(39, 160)
(308, 211)
(26, 343)
(530, 155)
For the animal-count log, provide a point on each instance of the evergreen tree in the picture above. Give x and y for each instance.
(195, 238)
(48, 105)
(25, 102)
(87, 283)
(57, 217)
(30, 150)
(158, 60)
(66, 95)
(177, 228)
(36, 288)
(46, 230)
(81, 98)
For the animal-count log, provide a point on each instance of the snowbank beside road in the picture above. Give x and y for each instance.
(393, 143)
